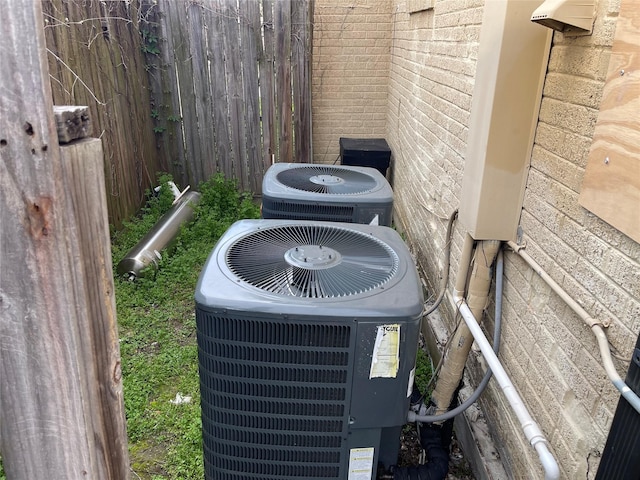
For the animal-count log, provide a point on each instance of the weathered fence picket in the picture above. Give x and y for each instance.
(302, 39)
(266, 66)
(190, 87)
(282, 26)
(95, 59)
(251, 89)
(228, 65)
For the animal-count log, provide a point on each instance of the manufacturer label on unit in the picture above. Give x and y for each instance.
(360, 463)
(385, 359)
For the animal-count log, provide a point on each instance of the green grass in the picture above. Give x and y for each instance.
(157, 334)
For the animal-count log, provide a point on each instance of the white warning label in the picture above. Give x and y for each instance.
(386, 352)
(360, 463)
(412, 377)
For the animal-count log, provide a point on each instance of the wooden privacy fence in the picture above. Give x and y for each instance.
(230, 85)
(94, 52)
(189, 87)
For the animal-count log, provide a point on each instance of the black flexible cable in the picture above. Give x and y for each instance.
(438, 466)
(447, 261)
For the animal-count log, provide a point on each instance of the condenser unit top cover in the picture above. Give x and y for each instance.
(297, 267)
(323, 182)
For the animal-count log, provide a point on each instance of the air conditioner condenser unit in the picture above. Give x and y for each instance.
(335, 193)
(307, 338)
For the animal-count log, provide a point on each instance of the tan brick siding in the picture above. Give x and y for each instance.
(595, 263)
(422, 108)
(351, 57)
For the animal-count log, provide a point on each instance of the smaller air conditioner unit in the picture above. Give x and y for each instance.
(333, 193)
(307, 338)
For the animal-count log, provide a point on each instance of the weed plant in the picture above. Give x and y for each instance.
(157, 332)
(424, 372)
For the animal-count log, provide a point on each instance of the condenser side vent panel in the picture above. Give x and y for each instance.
(274, 397)
(278, 209)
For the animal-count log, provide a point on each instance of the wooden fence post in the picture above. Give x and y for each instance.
(83, 176)
(60, 387)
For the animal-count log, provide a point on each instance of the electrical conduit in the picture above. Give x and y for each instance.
(447, 261)
(430, 437)
(483, 258)
(531, 430)
(595, 325)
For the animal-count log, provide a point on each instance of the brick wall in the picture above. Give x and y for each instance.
(596, 264)
(351, 51)
(551, 356)
(432, 67)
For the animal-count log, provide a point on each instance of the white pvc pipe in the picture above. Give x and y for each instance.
(530, 428)
(596, 328)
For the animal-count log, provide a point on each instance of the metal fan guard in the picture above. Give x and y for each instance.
(327, 179)
(311, 261)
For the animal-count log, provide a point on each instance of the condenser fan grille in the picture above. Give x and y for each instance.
(314, 261)
(327, 179)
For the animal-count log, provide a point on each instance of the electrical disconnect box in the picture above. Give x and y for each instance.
(510, 72)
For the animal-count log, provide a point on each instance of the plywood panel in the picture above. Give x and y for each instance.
(611, 186)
